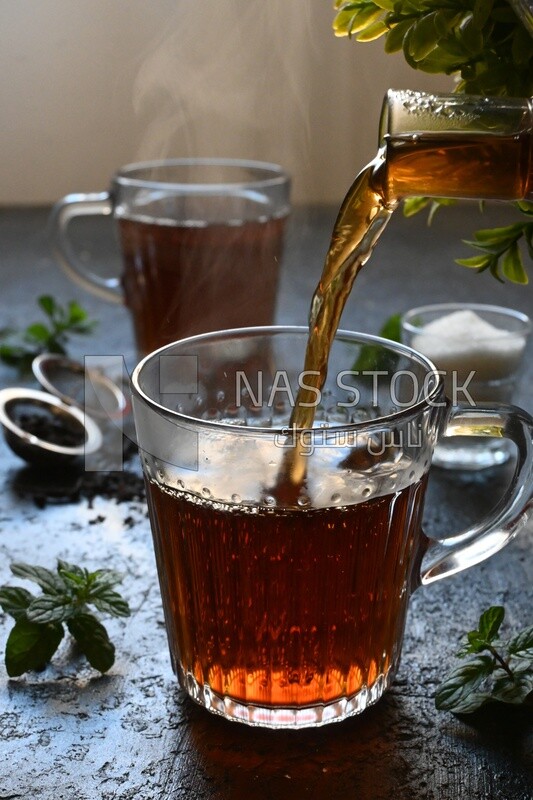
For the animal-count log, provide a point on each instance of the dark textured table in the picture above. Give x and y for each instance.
(68, 732)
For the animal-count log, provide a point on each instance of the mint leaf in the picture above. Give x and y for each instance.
(31, 646)
(513, 690)
(64, 566)
(93, 641)
(522, 644)
(490, 622)
(19, 348)
(373, 357)
(49, 582)
(109, 602)
(48, 304)
(14, 601)
(461, 682)
(48, 608)
(38, 629)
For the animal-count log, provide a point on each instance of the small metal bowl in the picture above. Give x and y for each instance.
(17, 402)
(89, 389)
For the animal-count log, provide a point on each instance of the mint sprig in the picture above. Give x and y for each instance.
(66, 596)
(500, 671)
(19, 348)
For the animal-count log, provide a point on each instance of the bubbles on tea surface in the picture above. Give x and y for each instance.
(269, 500)
(360, 415)
(235, 498)
(211, 415)
(303, 501)
(259, 417)
(206, 492)
(337, 415)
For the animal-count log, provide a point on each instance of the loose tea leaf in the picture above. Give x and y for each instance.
(67, 593)
(505, 675)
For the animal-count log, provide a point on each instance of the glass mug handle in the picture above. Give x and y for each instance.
(448, 556)
(82, 205)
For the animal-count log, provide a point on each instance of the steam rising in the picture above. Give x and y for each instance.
(229, 79)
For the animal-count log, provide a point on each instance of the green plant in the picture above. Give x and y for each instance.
(19, 348)
(483, 43)
(499, 672)
(66, 596)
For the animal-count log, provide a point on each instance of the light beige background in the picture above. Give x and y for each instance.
(89, 85)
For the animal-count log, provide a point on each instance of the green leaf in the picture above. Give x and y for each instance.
(525, 207)
(395, 37)
(446, 20)
(372, 32)
(489, 236)
(49, 582)
(31, 646)
(37, 332)
(76, 313)
(522, 643)
(75, 577)
(392, 328)
(482, 11)
(521, 47)
(513, 691)
(48, 304)
(374, 357)
(513, 267)
(15, 601)
(455, 692)
(475, 262)
(105, 579)
(50, 608)
(490, 622)
(423, 37)
(65, 566)
(109, 602)
(412, 205)
(471, 36)
(93, 641)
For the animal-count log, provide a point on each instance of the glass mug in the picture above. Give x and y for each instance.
(201, 243)
(286, 609)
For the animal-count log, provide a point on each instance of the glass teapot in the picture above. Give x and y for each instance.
(454, 145)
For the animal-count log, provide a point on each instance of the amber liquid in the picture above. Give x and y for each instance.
(298, 607)
(183, 280)
(288, 608)
(454, 165)
(491, 167)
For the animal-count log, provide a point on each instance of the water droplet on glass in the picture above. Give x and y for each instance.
(367, 491)
(206, 492)
(335, 498)
(303, 501)
(268, 500)
(235, 498)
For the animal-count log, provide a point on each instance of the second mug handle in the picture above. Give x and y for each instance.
(82, 205)
(448, 556)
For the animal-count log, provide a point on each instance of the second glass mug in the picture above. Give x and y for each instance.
(201, 243)
(285, 604)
